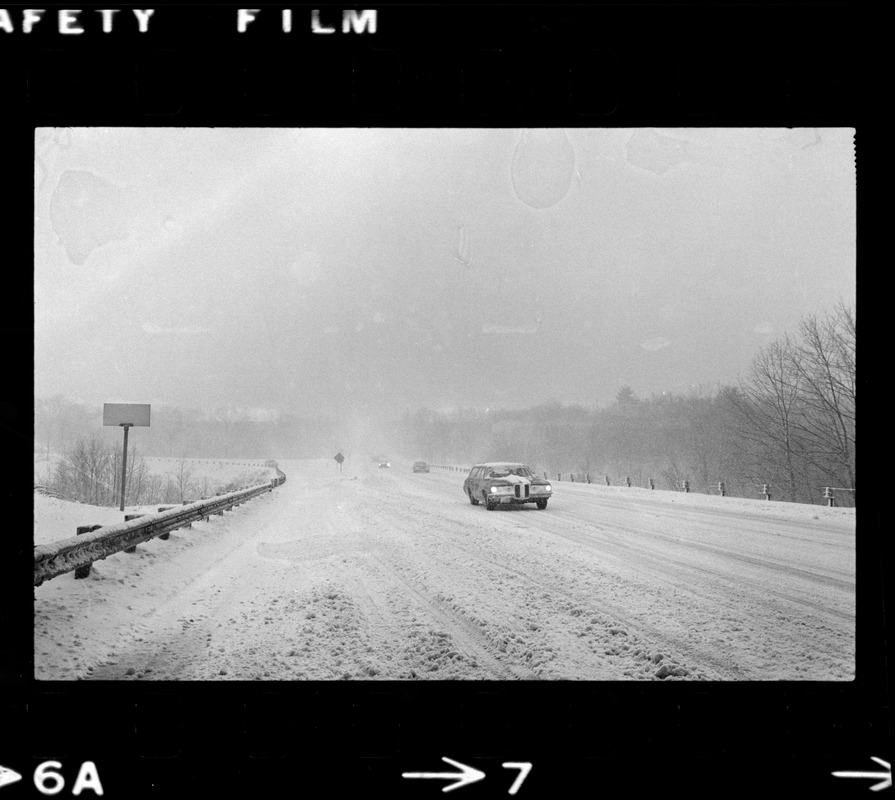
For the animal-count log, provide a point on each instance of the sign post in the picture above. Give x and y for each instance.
(126, 427)
(340, 458)
(125, 415)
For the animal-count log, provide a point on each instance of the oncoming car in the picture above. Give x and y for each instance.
(383, 464)
(420, 466)
(506, 483)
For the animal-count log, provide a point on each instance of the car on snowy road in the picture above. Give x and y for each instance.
(420, 466)
(506, 483)
(384, 464)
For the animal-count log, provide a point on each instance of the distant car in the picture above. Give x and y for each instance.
(383, 464)
(420, 466)
(506, 483)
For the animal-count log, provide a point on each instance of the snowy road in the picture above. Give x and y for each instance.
(394, 575)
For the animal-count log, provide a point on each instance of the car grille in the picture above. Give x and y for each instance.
(522, 491)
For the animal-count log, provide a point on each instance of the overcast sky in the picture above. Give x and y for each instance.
(316, 271)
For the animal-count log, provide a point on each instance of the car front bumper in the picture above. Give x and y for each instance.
(509, 499)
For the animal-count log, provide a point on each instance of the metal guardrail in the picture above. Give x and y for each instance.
(79, 552)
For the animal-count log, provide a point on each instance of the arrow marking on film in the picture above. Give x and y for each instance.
(466, 776)
(8, 776)
(886, 781)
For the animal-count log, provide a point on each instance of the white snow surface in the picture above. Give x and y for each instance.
(376, 573)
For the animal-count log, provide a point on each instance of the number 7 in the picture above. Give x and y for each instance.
(524, 768)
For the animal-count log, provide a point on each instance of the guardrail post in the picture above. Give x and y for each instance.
(130, 517)
(766, 491)
(545, 476)
(686, 486)
(628, 481)
(652, 485)
(165, 508)
(828, 496)
(722, 489)
(587, 476)
(558, 477)
(607, 480)
(84, 572)
(572, 477)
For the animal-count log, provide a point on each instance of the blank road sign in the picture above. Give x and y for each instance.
(126, 414)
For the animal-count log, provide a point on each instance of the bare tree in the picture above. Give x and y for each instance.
(825, 365)
(182, 477)
(768, 406)
(794, 415)
(90, 472)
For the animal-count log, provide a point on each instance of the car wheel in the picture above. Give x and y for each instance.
(542, 504)
(472, 499)
(488, 504)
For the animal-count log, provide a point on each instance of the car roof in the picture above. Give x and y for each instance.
(501, 464)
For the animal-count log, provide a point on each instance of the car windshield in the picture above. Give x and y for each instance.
(502, 472)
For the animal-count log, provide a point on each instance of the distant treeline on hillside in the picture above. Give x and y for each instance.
(789, 423)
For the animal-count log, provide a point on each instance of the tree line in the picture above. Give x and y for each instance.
(89, 471)
(789, 423)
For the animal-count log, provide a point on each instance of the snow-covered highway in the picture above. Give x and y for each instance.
(387, 574)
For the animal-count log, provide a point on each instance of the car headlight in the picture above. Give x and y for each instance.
(493, 488)
(548, 488)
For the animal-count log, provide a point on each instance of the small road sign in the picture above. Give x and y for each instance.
(134, 414)
(125, 415)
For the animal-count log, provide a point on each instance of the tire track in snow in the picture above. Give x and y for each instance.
(736, 634)
(646, 634)
(845, 582)
(735, 601)
(563, 602)
(737, 581)
(467, 630)
(639, 500)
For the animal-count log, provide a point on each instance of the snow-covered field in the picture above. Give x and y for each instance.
(384, 574)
